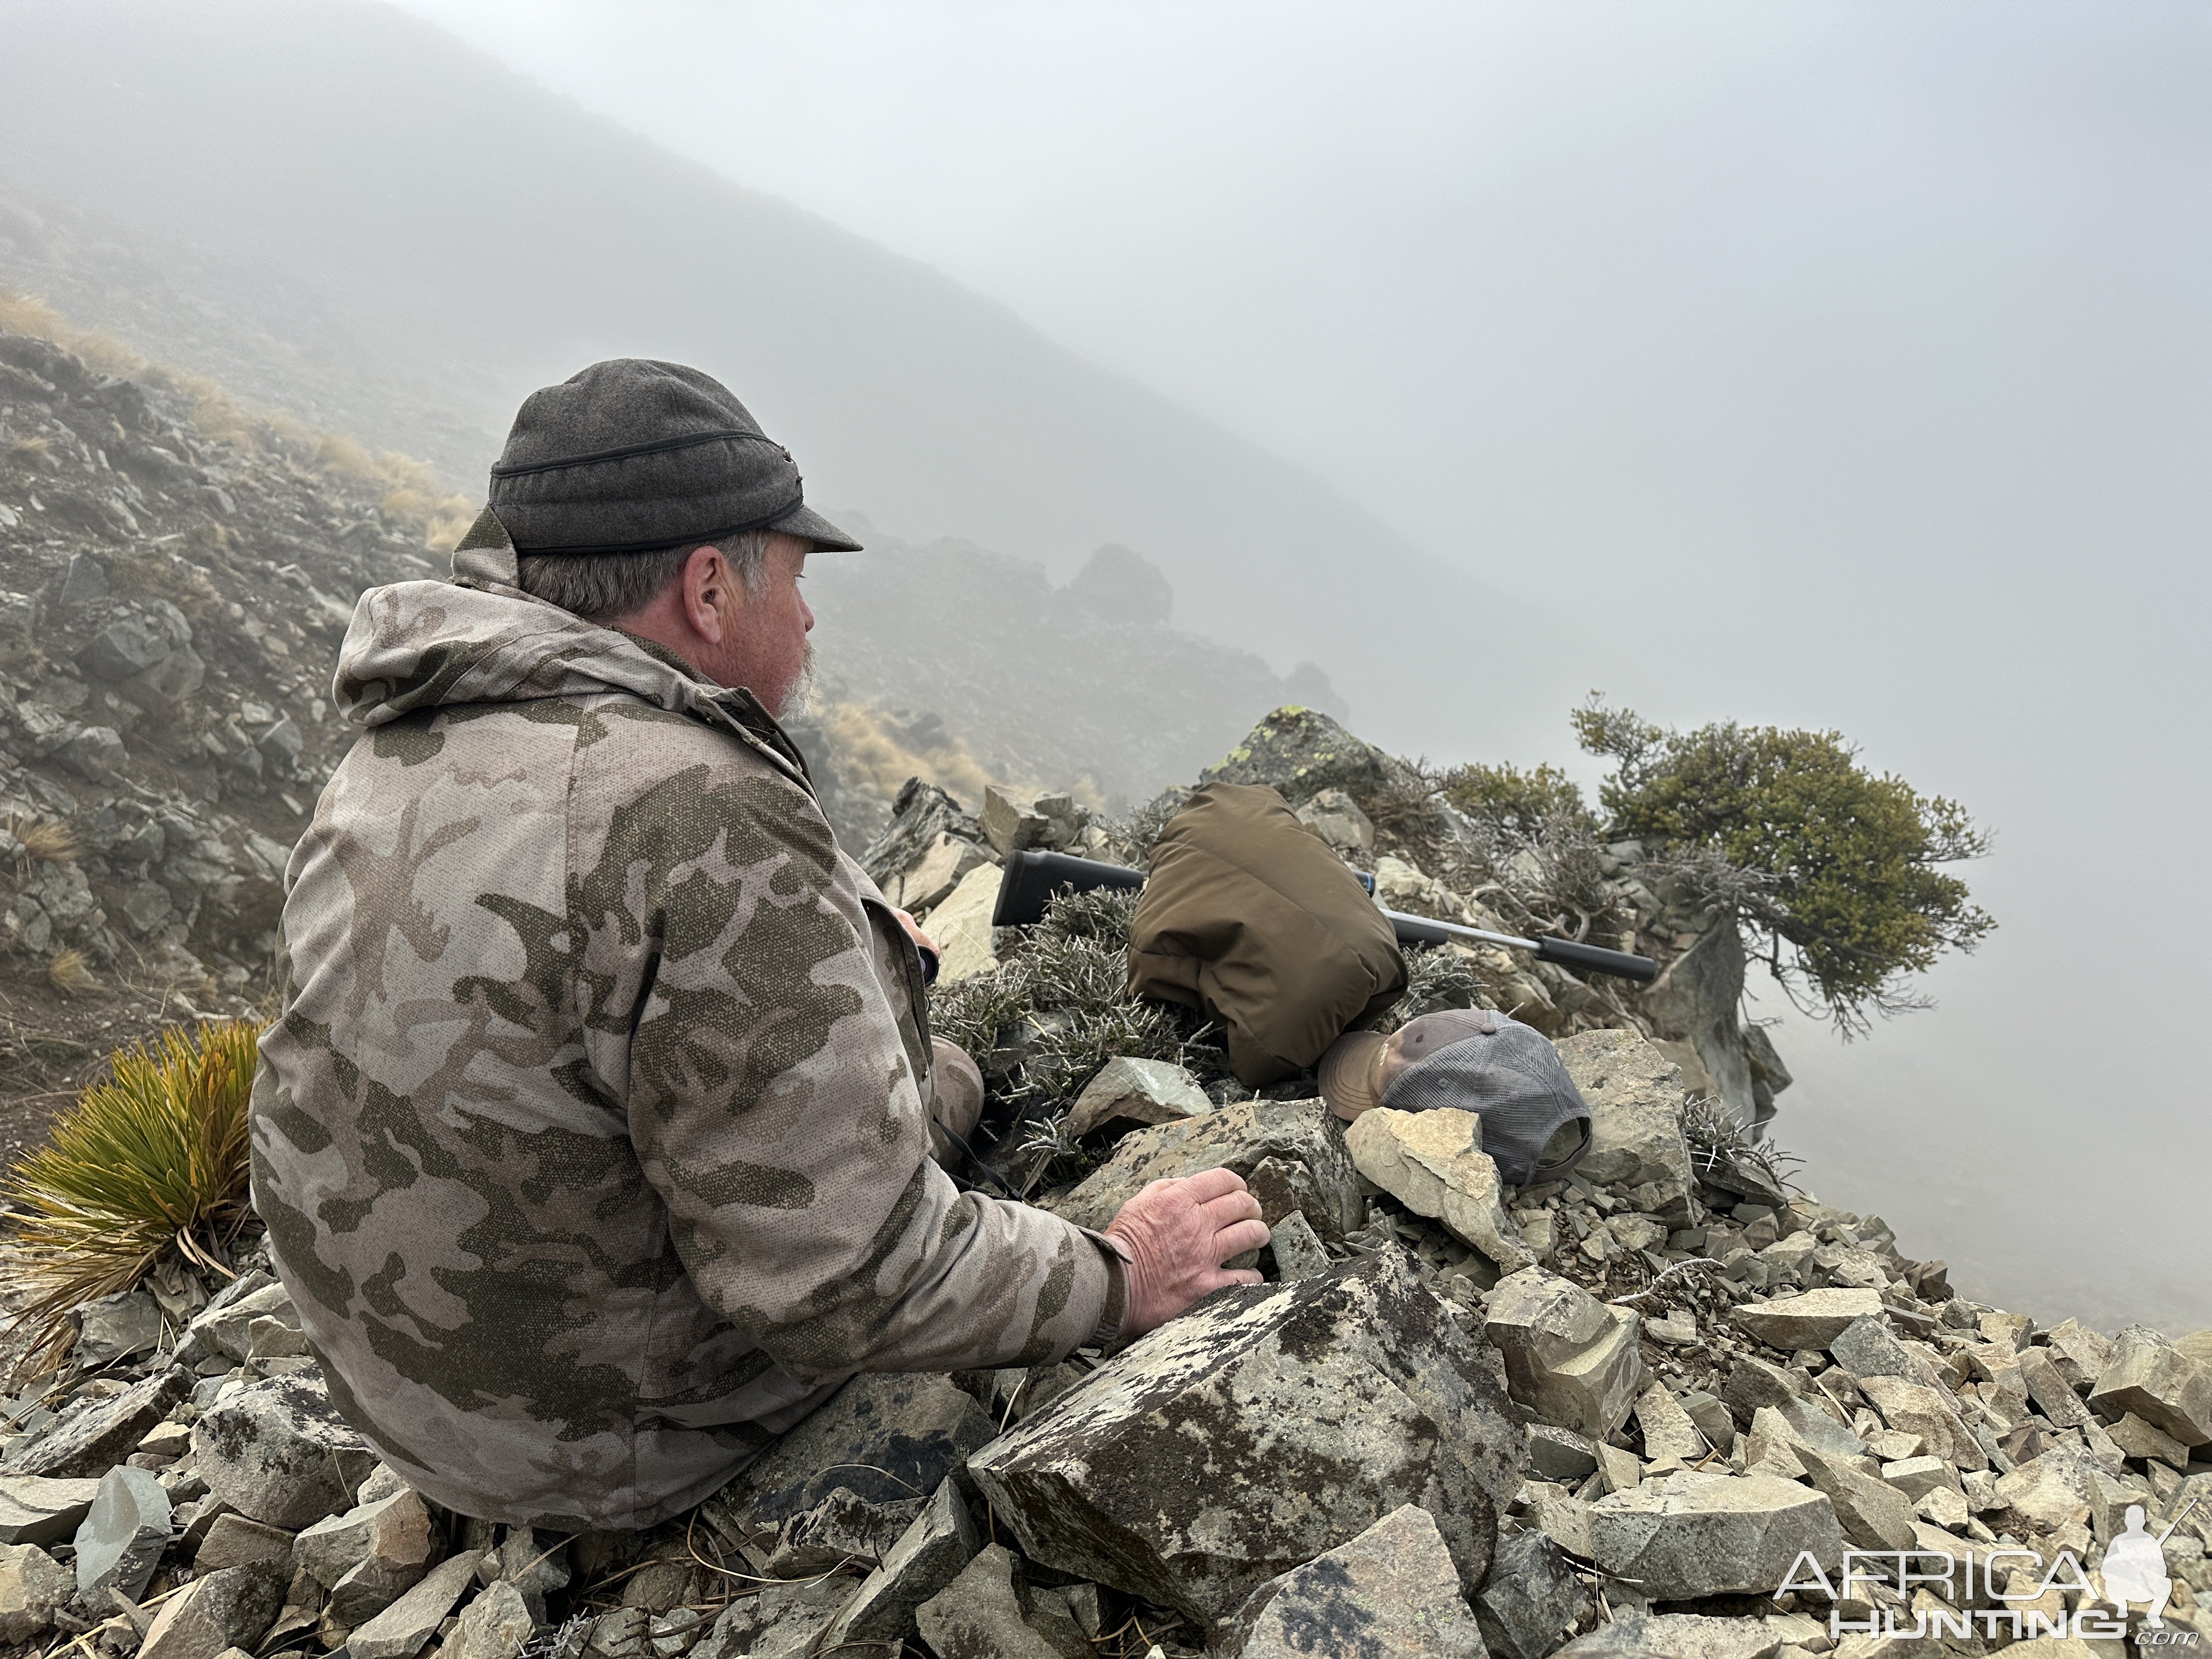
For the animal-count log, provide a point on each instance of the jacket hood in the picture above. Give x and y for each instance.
(480, 639)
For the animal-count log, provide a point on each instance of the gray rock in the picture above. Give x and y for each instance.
(1569, 1358)
(1261, 1428)
(937, 868)
(1811, 1321)
(233, 1540)
(535, 1561)
(926, 1558)
(883, 1436)
(621, 1634)
(281, 742)
(34, 1509)
(117, 1328)
(84, 582)
(228, 1609)
(1699, 999)
(983, 1614)
(1753, 1384)
(1532, 1598)
(1298, 752)
(1915, 1408)
(33, 1586)
(493, 1626)
(221, 1327)
(1012, 826)
(1433, 1163)
(400, 1631)
(92, 1435)
(1392, 1590)
(279, 1452)
(1691, 1535)
(370, 1556)
(1302, 1136)
(1635, 1095)
(177, 676)
(1874, 1514)
(120, 1541)
(1868, 1347)
(1141, 1091)
(1297, 1248)
(781, 1622)
(842, 1530)
(1336, 818)
(1666, 1428)
(135, 643)
(2167, 1388)
(1560, 1455)
(1635, 1635)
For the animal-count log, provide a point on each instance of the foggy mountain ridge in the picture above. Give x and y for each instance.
(395, 265)
(435, 236)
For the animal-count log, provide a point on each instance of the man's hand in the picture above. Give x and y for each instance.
(913, 932)
(1178, 1233)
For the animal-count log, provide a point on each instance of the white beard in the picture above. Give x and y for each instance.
(799, 699)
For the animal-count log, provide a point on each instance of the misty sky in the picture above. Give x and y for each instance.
(1841, 364)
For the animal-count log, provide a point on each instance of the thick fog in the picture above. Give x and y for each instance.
(1831, 365)
(1842, 364)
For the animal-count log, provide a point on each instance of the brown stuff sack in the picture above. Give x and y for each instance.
(1248, 917)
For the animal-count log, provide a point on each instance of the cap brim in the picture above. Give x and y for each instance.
(804, 521)
(1347, 1073)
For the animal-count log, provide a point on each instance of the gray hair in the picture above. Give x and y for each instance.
(605, 587)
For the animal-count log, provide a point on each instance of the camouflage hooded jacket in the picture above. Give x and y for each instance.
(593, 1141)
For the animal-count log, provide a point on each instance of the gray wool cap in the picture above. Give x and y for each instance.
(634, 456)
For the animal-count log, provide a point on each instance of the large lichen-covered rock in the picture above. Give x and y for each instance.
(1635, 1097)
(277, 1451)
(1291, 1152)
(1298, 752)
(1260, 1429)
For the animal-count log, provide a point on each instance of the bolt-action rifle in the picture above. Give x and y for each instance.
(1033, 878)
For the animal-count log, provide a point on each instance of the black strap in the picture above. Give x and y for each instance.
(658, 445)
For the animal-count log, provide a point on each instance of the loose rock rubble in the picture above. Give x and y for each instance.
(1610, 1415)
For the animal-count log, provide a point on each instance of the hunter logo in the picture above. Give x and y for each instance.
(2134, 1573)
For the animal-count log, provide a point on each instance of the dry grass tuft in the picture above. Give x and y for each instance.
(70, 971)
(152, 1160)
(45, 840)
(38, 446)
(415, 496)
(865, 744)
(158, 576)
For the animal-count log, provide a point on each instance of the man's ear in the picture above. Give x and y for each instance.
(710, 587)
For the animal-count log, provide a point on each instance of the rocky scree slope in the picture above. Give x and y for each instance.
(1602, 1417)
(1605, 1416)
(170, 605)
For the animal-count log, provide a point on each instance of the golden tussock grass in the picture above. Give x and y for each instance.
(45, 840)
(413, 494)
(151, 1161)
(865, 745)
(70, 971)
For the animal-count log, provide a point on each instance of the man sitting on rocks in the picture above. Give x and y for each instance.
(594, 1140)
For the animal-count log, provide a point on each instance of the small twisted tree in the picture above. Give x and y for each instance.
(1835, 866)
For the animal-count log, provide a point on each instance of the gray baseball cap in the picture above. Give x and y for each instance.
(1535, 1124)
(634, 456)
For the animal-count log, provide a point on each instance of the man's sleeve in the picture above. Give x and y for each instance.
(773, 1102)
